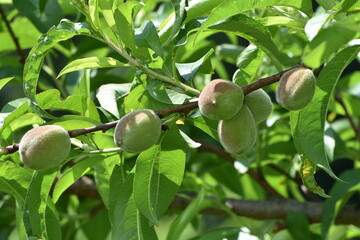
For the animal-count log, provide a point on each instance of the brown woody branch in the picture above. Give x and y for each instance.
(339, 99)
(182, 109)
(261, 210)
(13, 37)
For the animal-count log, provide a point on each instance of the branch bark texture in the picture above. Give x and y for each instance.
(261, 210)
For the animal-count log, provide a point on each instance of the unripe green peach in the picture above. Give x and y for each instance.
(44, 147)
(238, 134)
(260, 105)
(137, 131)
(296, 88)
(220, 99)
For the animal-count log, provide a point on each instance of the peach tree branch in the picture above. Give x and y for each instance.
(183, 109)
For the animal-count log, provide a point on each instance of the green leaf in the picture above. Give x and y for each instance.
(147, 37)
(164, 94)
(40, 216)
(159, 172)
(72, 174)
(327, 4)
(33, 64)
(314, 25)
(282, 21)
(90, 63)
(103, 171)
(124, 22)
(15, 180)
(50, 99)
(325, 43)
(127, 221)
(43, 20)
(180, 15)
(109, 94)
(340, 194)
(298, 226)
(222, 233)
(253, 31)
(307, 172)
(230, 8)
(25, 31)
(307, 124)
(177, 227)
(248, 63)
(12, 111)
(188, 70)
(207, 125)
(139, 98)
(4, 81)
(199, 8)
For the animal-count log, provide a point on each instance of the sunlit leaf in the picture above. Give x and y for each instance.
(188, 70)
(32, 68)
(253, 31)
(159, 172)
(72, 174)
(39, 207)
(307, 172)
(4, 81)
(90, 63)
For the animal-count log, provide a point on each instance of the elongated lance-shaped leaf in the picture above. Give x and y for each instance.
(253, 31)
(198, 204)
(90, 63)
(180, 15)
(307, 124)
(159, 172)
(40, 215)
(128, 223)
(230, 8)
(340, 194)
(72, 174)
(65, 30)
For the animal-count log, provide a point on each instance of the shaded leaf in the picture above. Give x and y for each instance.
(178, 225)
(340, 194)
(43, 19)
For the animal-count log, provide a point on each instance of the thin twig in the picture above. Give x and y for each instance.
(13, 37)
(338, 98)
(262, 82)
(183, 109)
